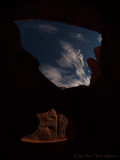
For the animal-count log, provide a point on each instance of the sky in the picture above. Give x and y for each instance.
(61, 49)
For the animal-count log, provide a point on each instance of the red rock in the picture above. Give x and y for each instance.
(52, 127)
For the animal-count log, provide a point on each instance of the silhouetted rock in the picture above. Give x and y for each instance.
(25, 91)
(94, 65)
(97, 53)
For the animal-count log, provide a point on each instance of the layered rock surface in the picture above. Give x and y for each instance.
(52, 127)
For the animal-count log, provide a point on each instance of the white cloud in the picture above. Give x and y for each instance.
(99, 38)
(43, 27)
(47, 28)
(70, 59)
(78, 36)
(70, 56)
(64, 61)
(60, 78)
(53, 73)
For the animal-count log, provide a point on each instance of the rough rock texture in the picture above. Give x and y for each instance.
(47, 129)
(51, 127)
(62, 122)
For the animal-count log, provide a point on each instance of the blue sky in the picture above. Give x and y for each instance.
(61, 49)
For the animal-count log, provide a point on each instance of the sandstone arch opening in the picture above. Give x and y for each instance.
(62, 51)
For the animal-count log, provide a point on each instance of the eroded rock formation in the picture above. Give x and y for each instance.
(25, 91)
(52, 127)
(94, 65)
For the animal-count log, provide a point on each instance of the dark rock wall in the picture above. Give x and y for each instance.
(52, 127)
(23, 88)
(110, 55)
(25, 91)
